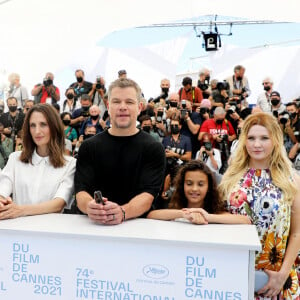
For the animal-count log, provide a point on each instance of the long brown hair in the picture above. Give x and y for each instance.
(212, 201)
(57, 137)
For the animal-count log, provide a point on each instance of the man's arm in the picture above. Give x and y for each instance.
(36, 90)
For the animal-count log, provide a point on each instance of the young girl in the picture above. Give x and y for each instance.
(196, 198)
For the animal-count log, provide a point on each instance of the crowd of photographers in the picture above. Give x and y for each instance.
(200, 121)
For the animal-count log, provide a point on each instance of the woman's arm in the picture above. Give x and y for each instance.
(222, 218)
(165, 214)
(12, 210)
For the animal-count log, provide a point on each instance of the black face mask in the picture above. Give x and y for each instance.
(147, 128)
(95, 117)
(87, 136)
(173, 103)
(293, 115)
(66, 122)
(267, 88)
(219, 121)
(175, 129)
(79, 79)
(188, 90)
(275, 102)
(70, 96)
(239, 78)
(12, 108)
(165, 90)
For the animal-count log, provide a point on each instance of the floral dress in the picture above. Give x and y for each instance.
(258, 198)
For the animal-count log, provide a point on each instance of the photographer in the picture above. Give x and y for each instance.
(17, 90)
(203, 82)
(222, 132)
(220, 95)
(146, 125)
(81, 86)
(191, 122)
(294, 156)
(163, 97)
(239, 85)
(290, 124)
(46, 92)
(97, 94)
(81, 114)
(211, 156)
(191, 93)
(277, 107)
(71, 103)
(12, 120)
(159, 122)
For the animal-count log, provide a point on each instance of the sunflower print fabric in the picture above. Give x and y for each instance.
(258, 198)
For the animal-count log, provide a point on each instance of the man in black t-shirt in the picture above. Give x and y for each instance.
(124, 163)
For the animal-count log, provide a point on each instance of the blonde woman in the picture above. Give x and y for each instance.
(260, 183)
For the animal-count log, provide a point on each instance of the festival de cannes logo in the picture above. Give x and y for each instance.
(155, 271)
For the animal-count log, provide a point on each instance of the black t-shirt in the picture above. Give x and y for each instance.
(120, 167)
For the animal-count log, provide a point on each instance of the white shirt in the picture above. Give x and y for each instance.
(217, 157)
(37, 182)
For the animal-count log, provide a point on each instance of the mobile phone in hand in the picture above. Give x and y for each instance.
(98, 197)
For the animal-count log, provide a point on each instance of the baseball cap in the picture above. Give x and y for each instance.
(122, 72)
(274, 93)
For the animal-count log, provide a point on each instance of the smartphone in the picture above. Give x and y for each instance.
(98, 197)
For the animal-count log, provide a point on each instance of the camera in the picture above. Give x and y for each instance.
(207, 146)
(285, 116)
(183, 110)
(203, 86)
(223, 85)
(47, 81)
(85, 111)
(159, 116)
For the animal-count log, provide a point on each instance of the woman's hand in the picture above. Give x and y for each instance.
(9, 209)
(195, 215)
(274, 285)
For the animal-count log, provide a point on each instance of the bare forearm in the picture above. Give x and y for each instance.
(227, 218)
(165, 214)
(83, 198)
(51, 206)
(138, 205)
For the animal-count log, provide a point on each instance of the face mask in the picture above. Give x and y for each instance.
(175, 129)
(79, 79)
(87, 136)
(267, 88)
(219, 121)
(67, 122)
(173, 103)
(95, 117)
(70, 96)
(293, 115)
(275, 102)
(165, 90)
(239, 77)
(12, 108)
(188, 90)
(147, 128)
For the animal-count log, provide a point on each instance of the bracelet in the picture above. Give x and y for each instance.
(123, 214)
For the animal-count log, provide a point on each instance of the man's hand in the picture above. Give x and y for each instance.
(109, 213)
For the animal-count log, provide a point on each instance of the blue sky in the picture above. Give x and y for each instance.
(242, 35)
